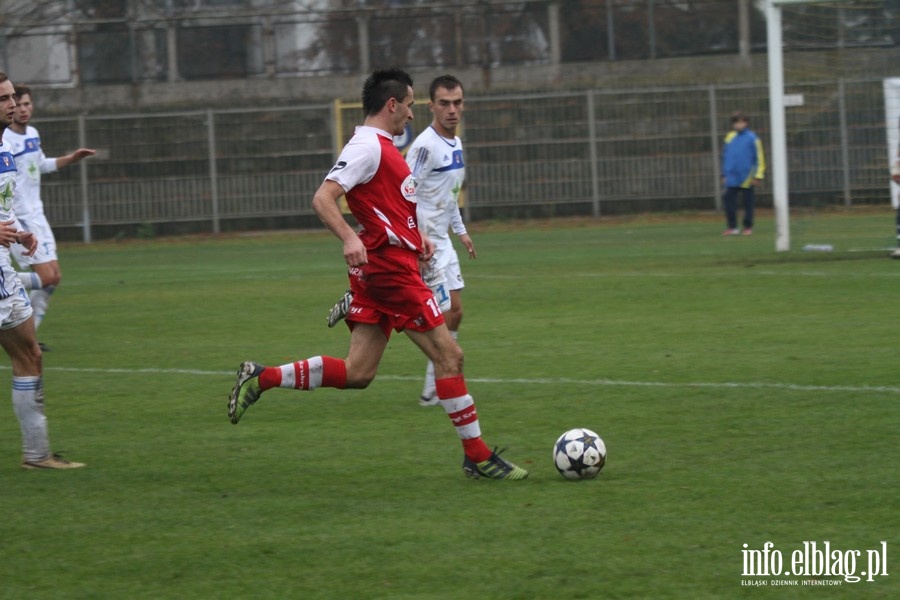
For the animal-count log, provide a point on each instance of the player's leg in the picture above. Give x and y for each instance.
(749, 205)
(45, 273)
(435, 278)
(452, 309)
(455, 314)
(367, 344)
(447, 356)
(50, 276)
(46, 264)
(30, 280)
(729, 201)
(17, 337)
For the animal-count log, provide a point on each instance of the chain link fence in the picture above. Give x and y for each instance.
(593, 152)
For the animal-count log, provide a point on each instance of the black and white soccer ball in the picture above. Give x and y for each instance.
(579, 454)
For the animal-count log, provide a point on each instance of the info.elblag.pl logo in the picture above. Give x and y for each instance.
(814, 563)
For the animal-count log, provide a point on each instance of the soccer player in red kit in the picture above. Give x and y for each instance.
(388, 291)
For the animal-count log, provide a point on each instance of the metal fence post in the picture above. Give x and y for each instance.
(845, 151)
(592, 153)
(714, 144)
(365, 52)
(553, 33)
(610, 31)
(213, 171)
(83, 176)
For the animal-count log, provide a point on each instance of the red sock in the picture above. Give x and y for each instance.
(460, 407)
(476, 449)
(334, 372)
(270, 378)
(309, 374)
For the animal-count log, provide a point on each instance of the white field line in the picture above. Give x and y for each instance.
(538, 381)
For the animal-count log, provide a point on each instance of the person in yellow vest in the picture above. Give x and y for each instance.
(743, 168)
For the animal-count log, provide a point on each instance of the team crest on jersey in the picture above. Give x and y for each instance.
(6, 196)
(408, 188)
(7, 162)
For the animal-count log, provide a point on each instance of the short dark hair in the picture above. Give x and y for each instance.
(381, 86)
(3, 77)
(444, 81)
(22, 90)
(739, 116)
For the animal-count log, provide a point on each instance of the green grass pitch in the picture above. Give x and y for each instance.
(745, 396)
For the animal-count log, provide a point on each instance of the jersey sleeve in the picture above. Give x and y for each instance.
(47, 165)
(357, 164)
(456, 221)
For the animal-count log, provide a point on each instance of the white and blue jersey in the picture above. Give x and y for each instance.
(31, 163)
(439, 171)
(9, 281)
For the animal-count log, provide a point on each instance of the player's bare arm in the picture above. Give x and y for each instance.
(325, 203)
(74, 157)
(469, 244)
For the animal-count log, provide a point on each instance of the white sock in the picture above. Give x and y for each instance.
(428, 391)
(40, 298)
(31, 280)
(28, 404)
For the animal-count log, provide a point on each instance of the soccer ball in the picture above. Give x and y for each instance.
(579, 454)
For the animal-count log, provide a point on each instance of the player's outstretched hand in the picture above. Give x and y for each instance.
(83, 153)
(74, 157)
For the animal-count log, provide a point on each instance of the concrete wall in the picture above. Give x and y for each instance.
(282, 91)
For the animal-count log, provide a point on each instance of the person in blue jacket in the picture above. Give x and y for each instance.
(743, 167)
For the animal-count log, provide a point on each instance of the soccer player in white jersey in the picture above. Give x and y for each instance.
(31, 164)
(436, 161)
(383, 267)
(17, 336)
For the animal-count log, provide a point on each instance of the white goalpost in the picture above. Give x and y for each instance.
(818, 29)
(892, 127)
(777, 125)
(775, 54)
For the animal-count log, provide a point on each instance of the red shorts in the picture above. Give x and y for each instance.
(389, 292)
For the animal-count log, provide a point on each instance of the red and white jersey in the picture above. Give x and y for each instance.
(380, 190)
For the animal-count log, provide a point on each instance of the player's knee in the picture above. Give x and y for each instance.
(359, 379)
(52, 279)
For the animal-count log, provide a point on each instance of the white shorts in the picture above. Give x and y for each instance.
(443, 281)
(46, 250)
(15, 309)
